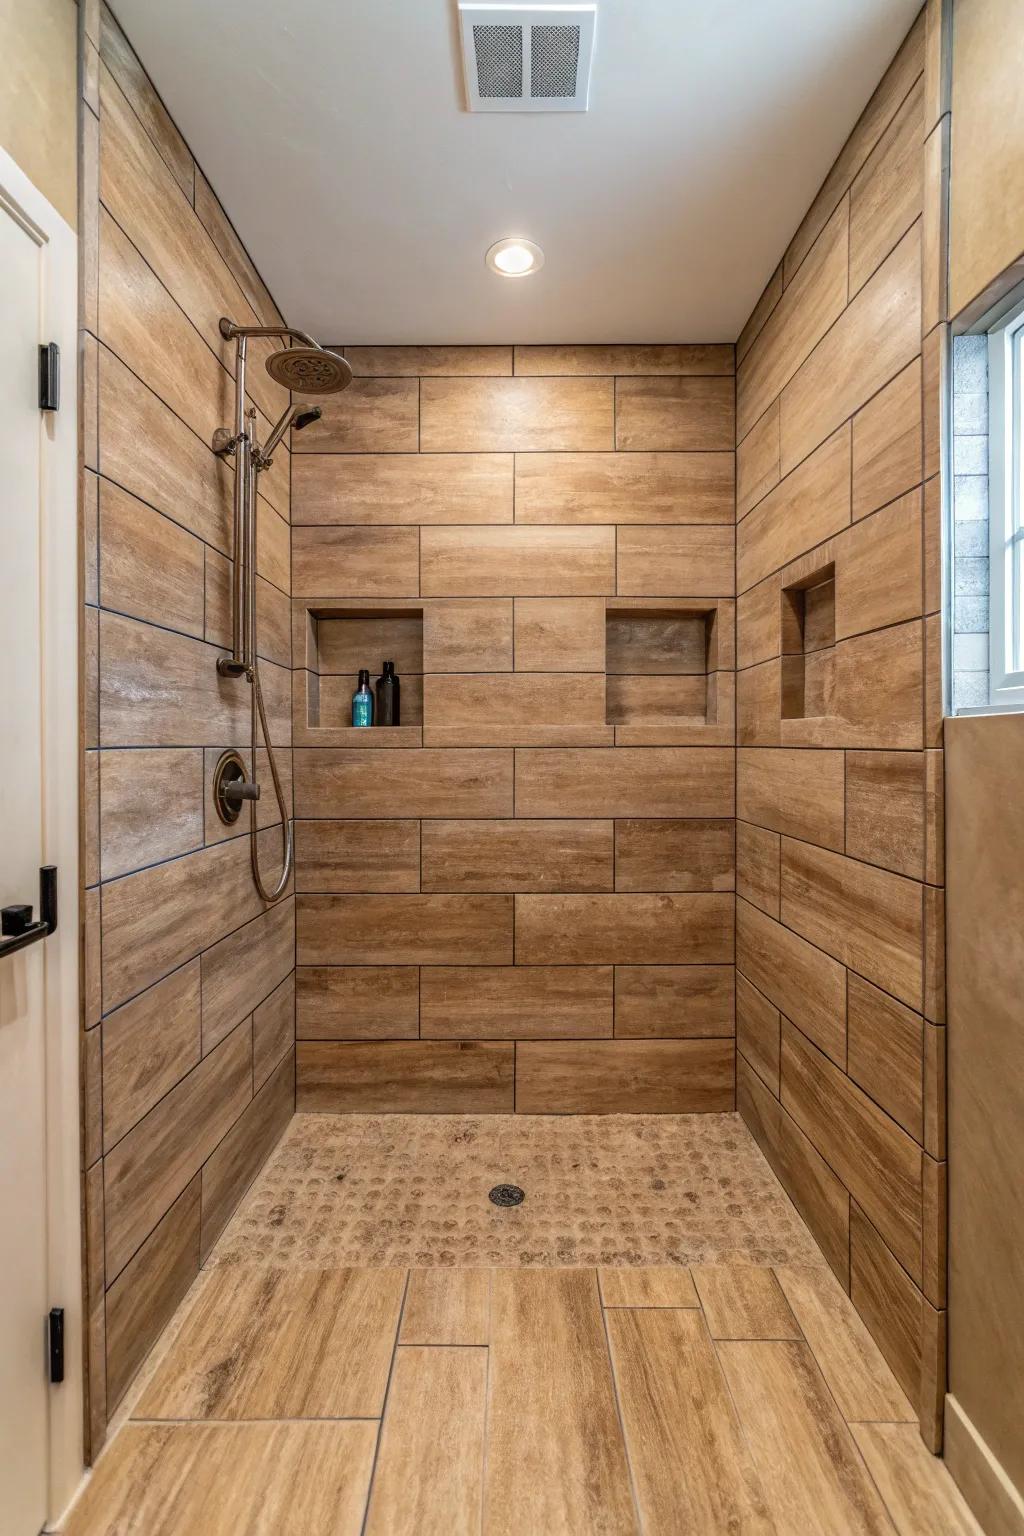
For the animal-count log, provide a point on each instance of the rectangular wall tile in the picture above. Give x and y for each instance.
(516, 1002)
(758, 866)
(149, 567)
(758, 1032)
(517, 855)
(515, 415)
(878, 569)
(693, 360)
(887, 442)
(621, 929)
(635, 781)
(370, 416)
(517, 561)
(674, 855)
(273, 1031)
(149, 1045)
(624, 1077)
(469, 635)
(673, 1001)
(559, 634)
(624, 487)
(437, 1077)
(345, 562)
(357, 1002)
(757, 461)
(429, 783)
(675, 414)
(404, 930)
(886, 1054)
(363, 856)
(244, 968)
(803, 510)
(886, 195)
(514, 709)
(670, 562)
(808, 986)
(400, 488)
(130, 782)
(886, 809)
(231, 1168)
(799, 793)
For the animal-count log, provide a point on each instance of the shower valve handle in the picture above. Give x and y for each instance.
(241, 789)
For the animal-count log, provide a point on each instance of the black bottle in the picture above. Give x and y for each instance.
(389, 692)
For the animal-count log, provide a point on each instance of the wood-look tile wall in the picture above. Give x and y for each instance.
(839, 884)
(188, 1039)
(529, 904)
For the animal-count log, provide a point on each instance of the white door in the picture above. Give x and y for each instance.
(23, 1148)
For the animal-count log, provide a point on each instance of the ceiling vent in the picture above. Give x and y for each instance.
(527, 58)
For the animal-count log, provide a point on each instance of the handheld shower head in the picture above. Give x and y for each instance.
(309, 370)
(299, 415)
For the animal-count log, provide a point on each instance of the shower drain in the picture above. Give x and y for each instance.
(506, 1194)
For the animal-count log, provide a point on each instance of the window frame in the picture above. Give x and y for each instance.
(1006, 510)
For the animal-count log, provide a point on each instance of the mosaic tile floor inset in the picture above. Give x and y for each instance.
(385, 1190)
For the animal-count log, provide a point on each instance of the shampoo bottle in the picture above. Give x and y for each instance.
(362, 700)
(388, 695)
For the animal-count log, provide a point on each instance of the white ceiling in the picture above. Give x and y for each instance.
(334, 133)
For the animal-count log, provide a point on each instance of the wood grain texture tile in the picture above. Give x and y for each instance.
(428, 1476)
(517, 561)
(758, 866)
(693, 360)
(783, 1403)
(401, 488)
(515, 415)
(741, 1302)
(757, 461)
(626, 782)
(770, 296)
(806, 507)
(886, 195)
(878, 569)
(160, 689)
(130, 836)
(876, 336)
(447, 1306)
(673, 1001)
(281, 1344)
(339, 562)
(231, 1168)
(820, 1197)
(516, 1002)
(514, 708)
(518, 855)
(798, 793)
(674, 414)
(886, 1053)
(673, 856)
(149, 1045)
(874, 718)
(885, 810)
(867, 918)
(879, 1163)
(651, 702)
(638, 487)
(809, 306)
(858, 1378)
(879, 112)
(287, 1479)
(141, 1301)
(758, 622)
(804, 983)
(917, 1488)
(149, 567)
(404, 930)
(559, 634)
(91, 1074)
(888, 1301)
(887, 442)
(244, 968)
(423, 362)
(652, 1286)
(132, 79)
(149, 1167)
(469, 635)
(425, 784)
(273, 1030)
(691, 1465)
(372, 416)
(935, 226)
(658, 561)
(608, 1077)
(758, 1032)
(549, 1346)
(360, 1002)
(363, 856)
(624, 929)
(433, 1077)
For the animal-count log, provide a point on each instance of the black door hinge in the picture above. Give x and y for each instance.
(49, 377)
(56, 1340)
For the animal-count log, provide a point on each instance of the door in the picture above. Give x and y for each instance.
(23, 1131)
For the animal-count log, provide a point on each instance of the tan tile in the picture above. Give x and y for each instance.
(758, 866)
(666, 561)
(470, 635)
(423, 362)
(361, 1002)
(693, 360)
(741, 1302)
(517, 561)
(400, 488)
(130, 836)
(918, 1490)
(887, 442)
(757, 461)
(888, 1301)
(673, 1001)
(886, 194)
(514, 709)
(624, 487)
(641, 781)
(559, 634)
(623, 929)
(403, 930)
(759, 314)
(515, 415)
(273, 1031)
(878, 569)
(346, 782)
(648, 1287)
(806, 985)
(601, 1077)
(885, 810)
(886, 1053)
(370, 416)
(517, 855)
(447, 1306)
(149, 1045)
(359, 856)
(655, 855)
(337, 562)
(516, 1002)
(439, 1077)
(244, 968)
(804, 509)
(674, 414)
(231, 1168)
(758, 1026)
(798, 793)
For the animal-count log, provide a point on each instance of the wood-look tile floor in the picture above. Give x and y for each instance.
(410, 1190)
(523, 1401)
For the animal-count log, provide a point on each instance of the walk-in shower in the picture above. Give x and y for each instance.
(301, 365)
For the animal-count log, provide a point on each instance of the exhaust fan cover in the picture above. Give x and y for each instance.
(527, 58)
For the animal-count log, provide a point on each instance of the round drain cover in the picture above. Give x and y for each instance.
(506, 1194)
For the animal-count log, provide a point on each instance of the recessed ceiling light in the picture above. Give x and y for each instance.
(514, 257)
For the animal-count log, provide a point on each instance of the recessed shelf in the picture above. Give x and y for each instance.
(332, 641)
(808, 624)
(661, 660)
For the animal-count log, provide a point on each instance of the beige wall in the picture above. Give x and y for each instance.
(986, 1066)
(38, 47)
(987, 177)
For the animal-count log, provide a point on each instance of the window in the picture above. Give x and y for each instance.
(1006, 510)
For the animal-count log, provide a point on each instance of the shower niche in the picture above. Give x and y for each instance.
(332, 640)
(668, 669)
(808, 628)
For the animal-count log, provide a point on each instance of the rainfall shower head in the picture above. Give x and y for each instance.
(309, 370)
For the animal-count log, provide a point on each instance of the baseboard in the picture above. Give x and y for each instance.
(996, 1504)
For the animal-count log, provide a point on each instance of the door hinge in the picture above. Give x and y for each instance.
(49, 377)
(55, 1331)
